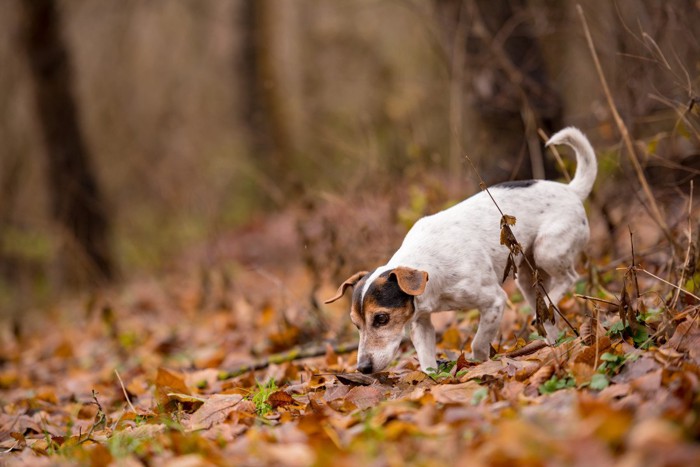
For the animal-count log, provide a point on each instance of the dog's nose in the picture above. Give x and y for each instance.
(365, 367)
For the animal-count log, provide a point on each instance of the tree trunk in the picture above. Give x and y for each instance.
(76, 201)
(507, 92)
(265, 109)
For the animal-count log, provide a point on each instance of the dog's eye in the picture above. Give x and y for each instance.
(380, 319)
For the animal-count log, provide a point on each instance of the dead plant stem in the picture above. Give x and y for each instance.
(631, 153)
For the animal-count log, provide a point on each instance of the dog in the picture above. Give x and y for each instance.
(453, 260)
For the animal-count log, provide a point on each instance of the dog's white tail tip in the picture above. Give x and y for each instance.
(586, 166)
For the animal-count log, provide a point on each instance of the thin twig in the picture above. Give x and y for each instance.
(126, 396)
(631, 153)
(596, 299)
(557, 156)
(672, 305)
(296, 353)
(668, 283)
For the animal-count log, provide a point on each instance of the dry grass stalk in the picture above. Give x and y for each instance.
(629, 146)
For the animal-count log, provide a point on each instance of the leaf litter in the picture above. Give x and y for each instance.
(185, 388)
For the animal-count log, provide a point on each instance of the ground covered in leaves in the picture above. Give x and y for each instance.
(158, 373)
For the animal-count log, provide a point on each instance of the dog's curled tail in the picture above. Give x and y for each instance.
(586, 165)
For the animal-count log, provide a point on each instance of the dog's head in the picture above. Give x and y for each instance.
(382, 304)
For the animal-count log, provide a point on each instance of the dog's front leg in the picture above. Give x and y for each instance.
(423, 338)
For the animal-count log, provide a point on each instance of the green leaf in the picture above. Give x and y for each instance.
(599, 382)
(555, 384)
(610, 357)
(479, 395)
(641, 337)
(616, 328)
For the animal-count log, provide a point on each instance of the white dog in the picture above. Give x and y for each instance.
(453, 260)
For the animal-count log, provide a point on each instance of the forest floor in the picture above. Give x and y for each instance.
(155, 372)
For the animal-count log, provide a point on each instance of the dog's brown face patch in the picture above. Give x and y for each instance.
(380, 314)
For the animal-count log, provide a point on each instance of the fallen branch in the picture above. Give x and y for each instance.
(297, 353)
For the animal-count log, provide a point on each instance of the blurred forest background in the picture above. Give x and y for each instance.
(138, 133)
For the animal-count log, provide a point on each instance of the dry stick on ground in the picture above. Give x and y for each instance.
(126, 396)
(296, 353)
(656, 213)
(504, 225)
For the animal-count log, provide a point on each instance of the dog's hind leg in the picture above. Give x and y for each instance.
(526, 281)
(556, 259)
(489, 323)
(556, 288)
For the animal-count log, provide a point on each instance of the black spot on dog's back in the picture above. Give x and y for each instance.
(516, 184)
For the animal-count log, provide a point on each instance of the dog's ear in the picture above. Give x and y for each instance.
(349, 282)
(411, 281)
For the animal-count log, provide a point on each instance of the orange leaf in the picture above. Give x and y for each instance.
(171, 379)
(451, 338)
(280, 399)
(455, 393)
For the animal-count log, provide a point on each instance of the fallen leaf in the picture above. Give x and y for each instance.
(171, 381)
(355, 379)
(214, 411)
(451, 338)
(365, 396)
(488, 368)
(280, 399)
(461, 393)
(541, 376)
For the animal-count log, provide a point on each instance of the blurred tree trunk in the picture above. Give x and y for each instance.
(264, 108)
(76, 200)
(507, 94)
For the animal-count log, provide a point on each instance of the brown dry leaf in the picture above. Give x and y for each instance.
(214, 411)
(365, 396)
(582, 372)
(336, 392)
(607, 423)
(185, 398)
(541, 376)
(647, 385)
(510, 267)
(413, 377)
(508, 220)
(331, 356)
(522, 369)
(588, 355)
(686, 338)
(317, 381)
(171, 381)
(462, 363)
(355, 379)
(461, 393)
(635, 369)
(451, 338)
(488, 368)
(280, 399)
(586, 331)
